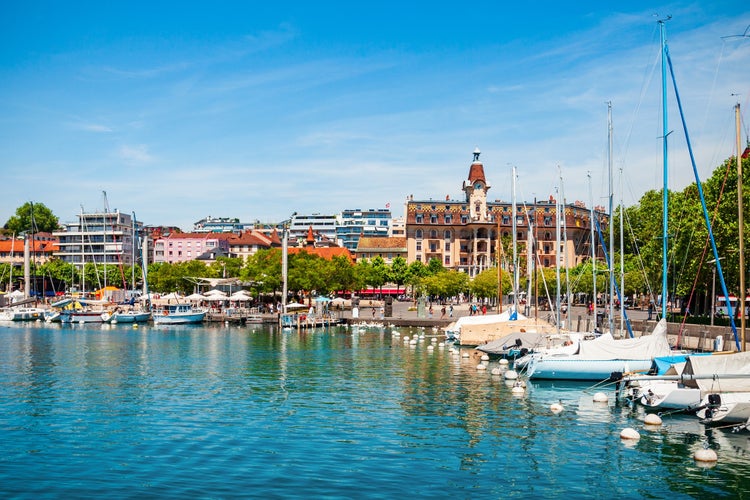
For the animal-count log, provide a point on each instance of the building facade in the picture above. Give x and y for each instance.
(356, 223)
(183, 247)
(463, 234)
(101, 238)
(388, 248)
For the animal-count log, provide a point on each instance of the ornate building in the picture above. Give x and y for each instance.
(463, 234)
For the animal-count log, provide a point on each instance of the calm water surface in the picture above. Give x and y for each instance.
(217, 412)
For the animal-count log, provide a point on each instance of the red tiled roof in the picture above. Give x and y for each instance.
(327, 253)
(7, 246)
(476, 172)
(382, 242)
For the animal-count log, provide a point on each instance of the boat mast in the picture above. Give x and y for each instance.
(564, 229)
(622, 259)
(593, 251)
(557, 259)
(515, 244)
(741, 223)
(611, 315)
(665, 183)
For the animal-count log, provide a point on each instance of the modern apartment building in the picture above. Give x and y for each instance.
(356, 223)
(100, 237)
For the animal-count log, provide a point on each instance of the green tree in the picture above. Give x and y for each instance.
(32, 217)
(399, 271)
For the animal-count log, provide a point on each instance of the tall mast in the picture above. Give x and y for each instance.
(665, 184)
(557, 258)
(515, 244)
(741, 222)
(564, 229)
(622, 258)
(611, 319)
(593, 251)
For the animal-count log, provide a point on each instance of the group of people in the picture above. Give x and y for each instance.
(474, 310)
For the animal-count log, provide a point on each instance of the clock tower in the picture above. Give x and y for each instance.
(476, 187)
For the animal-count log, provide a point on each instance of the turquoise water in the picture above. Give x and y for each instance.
(221, 412)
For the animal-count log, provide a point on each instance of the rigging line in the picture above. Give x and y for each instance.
(719, 270)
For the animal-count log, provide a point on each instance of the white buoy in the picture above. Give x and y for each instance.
(406, 337)
(630, 434)
(433, 340)
(652, 419)
(556, 408)
(485, 357)
(517, 390)
(706, 455)
(503, 361)
(464, 354)
(430, 347)
(413, 342)
(511, 375)
(600, 397)
(441, 344)
(496, 371)
(481, 366)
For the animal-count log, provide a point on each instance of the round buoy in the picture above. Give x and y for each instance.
(503, 361)
(556, 407)
(705, 455)
(485, 357)
(511, 375)
(430, 347)
(441, 344)
(496, 371)
(481, 366)
(652, 419)
(135, 326)
(465, 355)
(413, 341)
(630, 434)
(600, 397)
(433, 340)
(517, 390)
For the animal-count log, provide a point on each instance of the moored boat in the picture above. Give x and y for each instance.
(177, 314)
(597, 359)
(126, 317)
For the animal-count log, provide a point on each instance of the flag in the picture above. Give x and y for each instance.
(387, 205)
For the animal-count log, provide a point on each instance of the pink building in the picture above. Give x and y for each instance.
(182, 247)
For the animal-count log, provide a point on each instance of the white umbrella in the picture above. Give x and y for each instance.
(172, 295)
(296, 305)
(195, 297)
(240, 296)
(215, 293)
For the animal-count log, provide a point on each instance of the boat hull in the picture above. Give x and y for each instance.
(179, 318)
(81, 317)
(126, 317)
(570, 368)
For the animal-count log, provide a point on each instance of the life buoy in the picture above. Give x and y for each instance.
(166, 312)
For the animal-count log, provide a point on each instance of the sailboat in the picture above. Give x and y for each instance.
(131, 315)
(604, 356)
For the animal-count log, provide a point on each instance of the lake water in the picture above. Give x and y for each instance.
(221, 412)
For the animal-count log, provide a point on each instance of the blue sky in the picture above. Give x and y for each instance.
(179, 110)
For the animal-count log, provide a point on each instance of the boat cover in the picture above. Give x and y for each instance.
(645, 347)
(735, 364)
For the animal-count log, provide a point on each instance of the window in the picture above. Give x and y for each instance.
(433, 219)
(547, 221)
(419, 257)
(433, 247)
(447, 260)
(448, 218)
(464, 219)
(419, 246)
(433, 234)
(506, 220)
(419, 218)
(447, 235)
(447, 245)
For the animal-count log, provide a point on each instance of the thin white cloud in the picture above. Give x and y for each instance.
(135, 154)
(92, 127)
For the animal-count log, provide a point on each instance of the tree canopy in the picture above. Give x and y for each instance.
(32, 218)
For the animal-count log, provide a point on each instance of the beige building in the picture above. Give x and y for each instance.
(463, 234)
(387, 248)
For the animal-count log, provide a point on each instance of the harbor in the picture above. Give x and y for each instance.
(167, 411)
